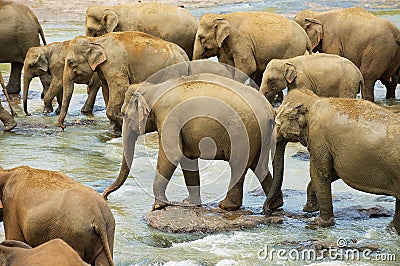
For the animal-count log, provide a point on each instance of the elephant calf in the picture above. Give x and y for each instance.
(53, 252)
(50, 59)
(200, 116)
(325, 74)
(351, 139)
(41, 205)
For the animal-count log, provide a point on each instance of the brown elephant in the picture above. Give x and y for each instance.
(326, 75)
(40, 205)
(348, 139)
(249, 40)
(170, 23)
(19, 31)
(5, 116)
(50, 59)
(200, 116)
(53, 252)
(371, 43)
(120, 59)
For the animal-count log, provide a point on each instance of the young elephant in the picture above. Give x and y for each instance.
(249, 40)
(200, 116)
(120, 59)
(325, 74)
(371, 43)
(342, 136)
(50, 58)
(41, 205)
(170, 23)
(53, 252)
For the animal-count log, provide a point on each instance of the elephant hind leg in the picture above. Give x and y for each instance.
(190, 169)
(312, 202)
(14, 83)
(396, 218)
(234, 197)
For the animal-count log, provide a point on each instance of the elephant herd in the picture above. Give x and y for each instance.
(150, 60)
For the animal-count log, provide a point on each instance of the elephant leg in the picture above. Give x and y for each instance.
(46, 82)
(234, 197)
(312, 202)
(7, 119)
(390, 87)
(59, 97)
(91, 99)
(54, 90)
(321, 171)
(190, 169)
(14, 83)
(164, 170)
(396, 218)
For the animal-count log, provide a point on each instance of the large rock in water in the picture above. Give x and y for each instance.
(185, 219)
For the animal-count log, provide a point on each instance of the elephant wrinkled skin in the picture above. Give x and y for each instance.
(170, 23)
(371, 43)
(50, 59)
(120, 59)
(325, 74)
(53, 252)
(348, 139)
(40, 205)
(249, 40)
(19, 31)
(200, 116)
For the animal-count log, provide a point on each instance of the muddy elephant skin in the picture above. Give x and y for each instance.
(342, 136)
(40, 205)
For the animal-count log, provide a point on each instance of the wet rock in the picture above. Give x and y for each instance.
(81, 122)
(359, 212)
(183, 219)
(302, 155)
(386, 199)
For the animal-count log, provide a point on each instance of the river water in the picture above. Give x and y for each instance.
(89, 153)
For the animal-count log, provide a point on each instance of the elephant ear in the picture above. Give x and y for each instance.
(95, 55)
(290, 72)
(292, 121)
(109, 20)
(315, 31)
(40, 62)
(222, 29)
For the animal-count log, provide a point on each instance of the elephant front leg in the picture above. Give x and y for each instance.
(312, 202)
(276, 201)
(234, 197)
(396, 218)
(165, 169)
(14, 83)
(320, 172)
(190, 169)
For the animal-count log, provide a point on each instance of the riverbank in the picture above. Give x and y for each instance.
(74, 10)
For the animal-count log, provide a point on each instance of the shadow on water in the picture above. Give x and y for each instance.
(88, 152)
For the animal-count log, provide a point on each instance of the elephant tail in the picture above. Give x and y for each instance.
(40, 30)
(102, 232)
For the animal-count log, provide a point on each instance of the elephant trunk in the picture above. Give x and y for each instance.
(68, 87)
(270, 96)
(278, 167)
(27, 80)
(128, 140)
(198, 50)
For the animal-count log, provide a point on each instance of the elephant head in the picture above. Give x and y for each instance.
(212, 32)
(291, 126)
(81, 61)
(135, 111)
(100, 21)
(35, 65)
(313, 27)
(276, 78)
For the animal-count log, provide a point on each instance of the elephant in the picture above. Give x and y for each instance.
(53, 252)
(170, 23)
(326, 75)
(120, 59)
(40, 205)
(199, 116)
(343, 32)
(50, 59)
(19, 31)
(5, 116)
(249, 40)
(342, 136)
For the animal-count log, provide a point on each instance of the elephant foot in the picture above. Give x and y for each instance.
(311, 206)
(325, 223)
(14, 96)
(47, 110)
(86, 110)
(13, 90)
(273, 203)
(159, 204)
(192, 202)
(229, 205)
(9, 126)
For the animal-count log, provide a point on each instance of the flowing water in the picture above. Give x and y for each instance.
(87, 152)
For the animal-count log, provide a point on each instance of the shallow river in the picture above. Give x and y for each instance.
(87, 152)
